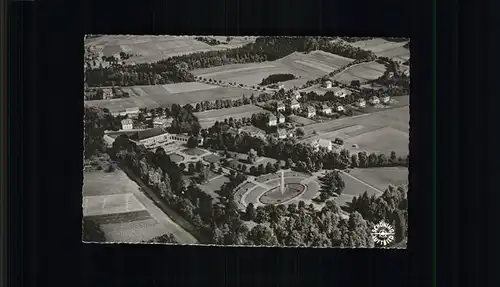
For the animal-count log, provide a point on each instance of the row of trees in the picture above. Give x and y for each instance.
(304, 156)
(209, 40)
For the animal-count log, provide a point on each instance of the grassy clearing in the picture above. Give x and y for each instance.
(194, 151)
(213, 158)
(176, 157)
(382, 177)
(362, 72)
(110, 204)
(301, 120)
(208, 118)
(355, 188)
(214, 185)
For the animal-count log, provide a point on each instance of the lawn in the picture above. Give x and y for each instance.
(362, 72)
(110, 204)
(100, 183)
(383, 131)
(213, 158)
(114, 105)
(301, 120)
(356, 188)
(123, 211)
(382, 177)
(194, 151)
(303, 66)
(214, 185)
(384, 48)
(176, 157)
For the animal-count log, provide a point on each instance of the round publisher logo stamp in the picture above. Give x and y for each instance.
(382, 233)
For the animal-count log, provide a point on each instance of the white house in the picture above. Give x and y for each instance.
(107, 93)
(361, 103)
(150, 136)
(281, 87)
(297, 95)
(327, 84)
(281, 118)
(273, 121)
(294, 105)
(280, 106)
(282, 134)
(406, 72)
(127, 124)
(374, 100)
(311, 112)
(340, 108)
(385, 99)
(326, 110)
(322, 143)
(339, 92)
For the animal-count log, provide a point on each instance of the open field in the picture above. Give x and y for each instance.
(382, 177)
(208, 118)
(148, 48)
(301, 120)
(123, 212)
(356, 188)
(362, 72)
(154, 96)
(110, 204)
(116, 105)
(384, 48)
(214, 185)
(380, 132)
(304, 66)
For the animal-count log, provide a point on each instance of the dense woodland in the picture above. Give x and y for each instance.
(176, 69)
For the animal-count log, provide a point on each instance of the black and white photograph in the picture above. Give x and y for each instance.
(253, 141)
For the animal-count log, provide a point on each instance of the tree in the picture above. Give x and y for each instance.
(400, 225)
(269, 168)
(250, 211)
(299, 132)
(261, 235)
(332, 183)
(294, 238)
(393, 156)
(199, 166)
(191, 168)
(354, 160)
(192, 142)
(252, 156)
(355, 84)
(261, 169)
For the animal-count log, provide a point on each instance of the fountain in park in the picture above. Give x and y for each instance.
(282, 192)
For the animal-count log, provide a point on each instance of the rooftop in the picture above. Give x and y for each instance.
(149, 133)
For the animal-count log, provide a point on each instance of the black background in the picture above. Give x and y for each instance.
(45, 113)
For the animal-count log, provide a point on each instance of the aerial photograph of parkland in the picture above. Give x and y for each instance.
(246, 140)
